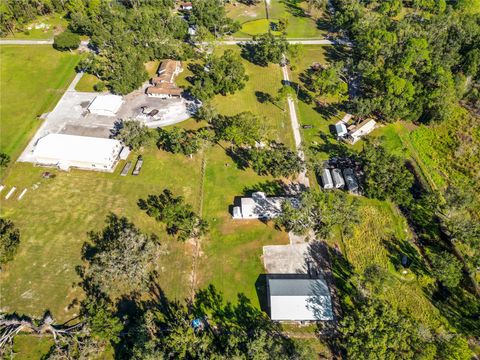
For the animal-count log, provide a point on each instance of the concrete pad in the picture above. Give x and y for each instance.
(286, 259)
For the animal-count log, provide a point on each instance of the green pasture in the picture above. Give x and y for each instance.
(32, 80)
(54, 219)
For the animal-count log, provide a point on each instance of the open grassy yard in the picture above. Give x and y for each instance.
(32, 80)
(261, 80)
(232, 252)
(54, 220)
(54, 24)
(244, 13)
(87, 83)
(300, 23)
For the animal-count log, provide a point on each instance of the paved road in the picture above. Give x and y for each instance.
(26, 42)
(34, 42)
(291, 41)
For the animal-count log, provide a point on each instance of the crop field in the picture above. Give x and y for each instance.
(32, 80)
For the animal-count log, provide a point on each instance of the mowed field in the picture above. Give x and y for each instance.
(32, 80)
(261, 80)
(255, 21)
(54, 220)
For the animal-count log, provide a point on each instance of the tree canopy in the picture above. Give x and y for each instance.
(224, 74)
(135, 134)
(386, 176)
(265, 49)
(120, 257)
(211, 14)
(276, 160)
(179, 217)
(241, 129)
(9, 240)
(319, 211)
(66, 41)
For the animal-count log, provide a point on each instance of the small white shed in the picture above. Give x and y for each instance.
(106, 105)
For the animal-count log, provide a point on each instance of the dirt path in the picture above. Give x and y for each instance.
(197, 242)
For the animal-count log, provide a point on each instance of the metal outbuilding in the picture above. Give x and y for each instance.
(338, 178)
(299, 299)
(326, 179)
(106, 105)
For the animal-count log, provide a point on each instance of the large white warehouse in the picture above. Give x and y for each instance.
(83, 152)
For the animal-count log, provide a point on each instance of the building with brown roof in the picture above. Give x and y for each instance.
(164, 82)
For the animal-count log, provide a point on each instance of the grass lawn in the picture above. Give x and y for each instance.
(32, 80)
(56, 24)
(232, 252)
(55, 218)
(243, 13)
(261, 79)
(300, 24)
(257, 27)
(87, 83)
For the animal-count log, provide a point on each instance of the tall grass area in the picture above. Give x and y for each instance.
(54, 220)
(32, 80)
(380, 239)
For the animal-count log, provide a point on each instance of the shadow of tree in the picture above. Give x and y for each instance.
(402, 251)
(294, 9)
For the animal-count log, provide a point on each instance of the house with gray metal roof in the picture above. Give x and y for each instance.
(298, 298)
(260, 206)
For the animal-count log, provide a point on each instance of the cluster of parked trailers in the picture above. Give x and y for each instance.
(136, 170)
(339, 179)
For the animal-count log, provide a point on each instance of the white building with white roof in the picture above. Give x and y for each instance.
(83, 152)
(259, 206)
(293, 298)
(106, 105)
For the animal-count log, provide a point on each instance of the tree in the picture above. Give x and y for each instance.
(179, 217)
(266, 48)
(276, 160)
(212, 15)
(135, 134)
(376, 330)
(223, 74)
(178, 140)
(320, 212)
(241, 129)
(447, 269)
(100, 319)
(223, 331)
(386, 176)
(9, 240)
(328, 80)
(120, 257)
(4, 160)
(66, 41)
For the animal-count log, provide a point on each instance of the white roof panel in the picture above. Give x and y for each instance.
(66, 148)
(106, 103)
(299, 300)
